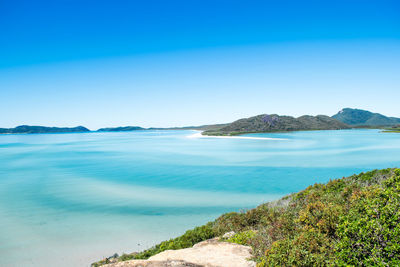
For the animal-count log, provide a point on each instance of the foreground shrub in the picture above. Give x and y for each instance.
(242, 238)
(308, 248)
(186, 240)
(370, 232)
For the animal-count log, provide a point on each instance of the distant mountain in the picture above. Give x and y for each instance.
(26, 129)
(276, 123)
(359, 117)
(121, 129)
(201, 127)
(176, 128)
(135, 128)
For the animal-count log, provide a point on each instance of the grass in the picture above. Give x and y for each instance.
(391, 131)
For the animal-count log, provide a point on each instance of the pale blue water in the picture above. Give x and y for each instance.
(70, 199)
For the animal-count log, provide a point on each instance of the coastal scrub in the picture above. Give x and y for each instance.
(345, 222)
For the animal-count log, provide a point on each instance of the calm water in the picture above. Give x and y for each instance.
(71, 199)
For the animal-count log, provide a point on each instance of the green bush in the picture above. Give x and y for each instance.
(307, 248)
(369, 232)
(126, 257)
(186, 240)
(242, 238)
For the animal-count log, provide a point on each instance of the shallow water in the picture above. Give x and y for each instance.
(71, 199)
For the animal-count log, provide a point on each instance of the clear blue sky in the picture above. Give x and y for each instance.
(174, 63)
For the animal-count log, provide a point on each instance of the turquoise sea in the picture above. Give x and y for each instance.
(71, 199)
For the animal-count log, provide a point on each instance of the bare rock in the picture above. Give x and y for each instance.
(148, 263)
(210, 253)
(228, 234)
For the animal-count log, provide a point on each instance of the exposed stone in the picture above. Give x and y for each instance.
(228, 234)
(210, 253)
(148, 263)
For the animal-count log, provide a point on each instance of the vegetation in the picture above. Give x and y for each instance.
(394, 129)
(188, 239)
(391, 131)
(25, 129)
(346, 222)
(276, 123)
(359, 117)
(135, 128)
(242, 238)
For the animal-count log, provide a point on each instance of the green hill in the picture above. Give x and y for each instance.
(359, 117)
(135, 128)
(26, 129)
(276, 123)
(353, 221)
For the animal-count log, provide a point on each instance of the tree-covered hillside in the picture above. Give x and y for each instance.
(353, 221)
(276, 123)
(359, 117)
(41, 129)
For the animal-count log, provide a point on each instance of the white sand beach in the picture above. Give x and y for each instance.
(198, 134)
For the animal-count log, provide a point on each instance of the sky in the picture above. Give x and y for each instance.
(179, 63)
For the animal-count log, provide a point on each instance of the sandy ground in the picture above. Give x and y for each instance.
(198, 134)
(209, 253)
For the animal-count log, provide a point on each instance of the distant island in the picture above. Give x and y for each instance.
(275, 123)
(26, 129)
(345, 119)
(359, 117)
(121, 129)
(138, 128)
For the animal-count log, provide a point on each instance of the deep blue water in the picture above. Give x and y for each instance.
(70, 199)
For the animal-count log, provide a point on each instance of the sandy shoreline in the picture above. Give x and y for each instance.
(199, 135)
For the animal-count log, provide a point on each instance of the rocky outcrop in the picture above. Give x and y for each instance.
(149, 263)
(209, 253)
